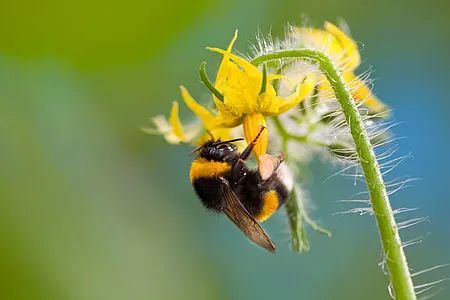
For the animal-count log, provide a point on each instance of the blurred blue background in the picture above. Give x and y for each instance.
(91, 208)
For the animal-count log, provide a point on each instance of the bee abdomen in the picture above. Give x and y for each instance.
(204, 175)
(271, 201)
(209, 191)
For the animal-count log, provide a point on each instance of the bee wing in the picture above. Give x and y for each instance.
(237, 213)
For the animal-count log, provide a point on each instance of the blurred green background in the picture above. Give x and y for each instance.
(91, 208)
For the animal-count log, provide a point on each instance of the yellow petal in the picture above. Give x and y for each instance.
(223, 68)
(219, 133)
(163, 128)
(240, 84)
(353, 59)
(268, 102)
(248, 68)
(304, 90)
(252, 126)
(208, 119)
(175, 123)
(362, 93)
(321, 40)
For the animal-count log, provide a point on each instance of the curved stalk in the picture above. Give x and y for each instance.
(205, 79)
(400, 276)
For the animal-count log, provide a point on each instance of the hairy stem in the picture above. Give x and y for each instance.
(299, 238)
(398, 268)
(297, 213)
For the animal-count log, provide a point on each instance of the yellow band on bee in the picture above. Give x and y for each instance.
(270, 206)
(203, 168)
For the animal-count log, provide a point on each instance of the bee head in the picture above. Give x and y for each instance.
(219, 150)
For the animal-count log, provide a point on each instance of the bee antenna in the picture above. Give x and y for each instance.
(200, 147)
(197, 149)
(230, 141)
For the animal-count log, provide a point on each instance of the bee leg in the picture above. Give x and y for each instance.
(246, 153)
(236, 172)
(239, 166)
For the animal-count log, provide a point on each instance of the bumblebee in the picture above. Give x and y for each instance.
(225, 184)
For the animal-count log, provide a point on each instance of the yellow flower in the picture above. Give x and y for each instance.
(247, 97)
(209, 121)
(344, 52)
(175, 133)
(171, 129)
(244, 94)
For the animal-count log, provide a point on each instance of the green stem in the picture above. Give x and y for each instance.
(396, 260)
(283, 133)
(297, 214)
(299, 237)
